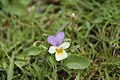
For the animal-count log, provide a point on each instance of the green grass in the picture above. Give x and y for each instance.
(97, 37)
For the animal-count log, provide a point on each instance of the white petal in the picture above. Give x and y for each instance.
(65, 45)
(52, 49)
(61, 56)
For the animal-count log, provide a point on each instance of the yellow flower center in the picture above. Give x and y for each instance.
(59, 51)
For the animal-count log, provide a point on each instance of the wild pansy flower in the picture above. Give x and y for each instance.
(57, 46)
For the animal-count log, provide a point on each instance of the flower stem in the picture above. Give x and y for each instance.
(73, 17)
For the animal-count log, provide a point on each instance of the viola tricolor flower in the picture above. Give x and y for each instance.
(57, 46)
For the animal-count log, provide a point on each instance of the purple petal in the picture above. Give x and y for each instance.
(60, 37)
(52, 40)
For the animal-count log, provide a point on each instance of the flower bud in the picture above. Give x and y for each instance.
(73, 16)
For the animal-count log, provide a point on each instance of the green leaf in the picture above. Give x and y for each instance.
(77, 62)
(25, 2)
(21, 56)
(11, 69)
(5, 65)
(115, 60)
(2, 54)
(51, 60)
(63, 26)
(20, 63)
(16, 8)
(33, 51)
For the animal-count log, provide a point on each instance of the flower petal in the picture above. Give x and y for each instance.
(52, 49)
(52, 40)
(65, 45)
(60, 37)
(61, 56)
